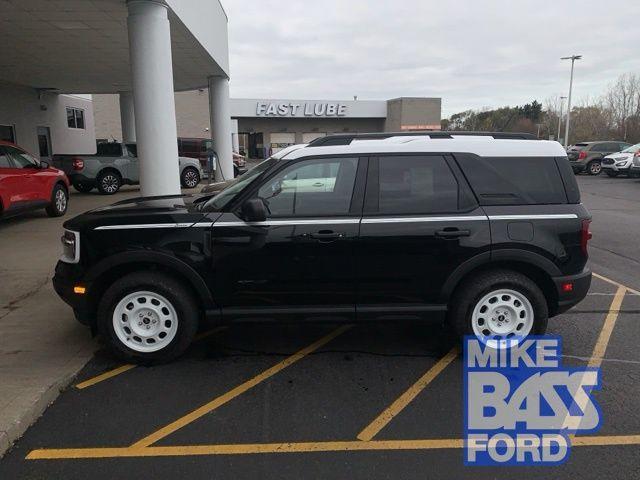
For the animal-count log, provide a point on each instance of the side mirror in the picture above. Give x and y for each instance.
(44, 165)
(253, 210)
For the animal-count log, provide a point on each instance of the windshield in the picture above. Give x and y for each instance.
(224, 197)
(632, 149)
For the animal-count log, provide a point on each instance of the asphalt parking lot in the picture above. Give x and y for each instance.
(350, 401)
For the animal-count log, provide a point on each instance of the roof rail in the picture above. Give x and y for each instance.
(347, 138)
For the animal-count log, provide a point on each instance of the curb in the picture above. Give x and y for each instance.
(41, 401)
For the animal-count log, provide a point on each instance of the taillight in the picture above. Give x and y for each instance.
(582, 155)
(78, 163)
(585, 235)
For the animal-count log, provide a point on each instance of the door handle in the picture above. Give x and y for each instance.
(452, 233)
(327, 235)
(318, 184)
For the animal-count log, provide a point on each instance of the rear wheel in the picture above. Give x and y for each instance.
(59, 201)
(109, 182)
(499, 305)
(82, 187)
(594, 167)
(148, 317)
(190, 178)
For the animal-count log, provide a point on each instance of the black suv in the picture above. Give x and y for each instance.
(486, 233)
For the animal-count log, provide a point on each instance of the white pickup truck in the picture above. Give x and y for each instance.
(114, 165)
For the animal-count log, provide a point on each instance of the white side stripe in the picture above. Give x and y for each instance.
(533, 217)
(460, 218)
(339, 221)
(275, 223)
(145, 225)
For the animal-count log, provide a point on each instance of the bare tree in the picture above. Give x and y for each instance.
(623, 100)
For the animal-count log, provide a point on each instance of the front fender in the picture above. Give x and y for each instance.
(149, 257)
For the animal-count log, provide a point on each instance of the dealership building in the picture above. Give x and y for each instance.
(264, 126)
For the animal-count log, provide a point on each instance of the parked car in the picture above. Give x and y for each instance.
(200, 147)
(487, 235)
(219, 186)
(116, 164)
(587, 156)
(27, 183)
(622, 162)
(635, 165)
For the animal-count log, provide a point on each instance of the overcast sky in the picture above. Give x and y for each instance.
(472, 53)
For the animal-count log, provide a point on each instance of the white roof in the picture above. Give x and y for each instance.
(480, 145)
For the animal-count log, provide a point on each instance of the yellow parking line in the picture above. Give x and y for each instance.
(293, 447)
(407, 397)
(605, 333)
(125, 368)
(105, 376)
(240, 389)
(617, 284)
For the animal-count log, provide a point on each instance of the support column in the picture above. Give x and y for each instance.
(155, 111)
(127, 117)
(220, 120)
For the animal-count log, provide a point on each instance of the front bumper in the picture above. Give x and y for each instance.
(66, 277)
(616, 168)
(580, 287)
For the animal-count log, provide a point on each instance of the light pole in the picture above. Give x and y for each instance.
(562, 99)
(573, 58)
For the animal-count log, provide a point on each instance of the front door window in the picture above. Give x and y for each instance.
(321, 187)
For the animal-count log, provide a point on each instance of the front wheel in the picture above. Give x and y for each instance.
(190, 178)
(59, 201)
(612, 173)
(499, 305)
(148, 317)
(594, 168)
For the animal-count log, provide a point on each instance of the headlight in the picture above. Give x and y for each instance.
(622, 163)
(70, 247)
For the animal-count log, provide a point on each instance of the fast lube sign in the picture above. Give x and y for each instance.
(306, 109)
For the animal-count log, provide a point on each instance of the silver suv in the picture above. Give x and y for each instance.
(116, 164)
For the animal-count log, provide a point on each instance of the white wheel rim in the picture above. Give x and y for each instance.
(110, 183)
(145, 321)
(61, 201)
(502, 314)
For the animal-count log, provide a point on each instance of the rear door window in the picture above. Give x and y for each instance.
(513, 180)
(109, 150)
(416, 184)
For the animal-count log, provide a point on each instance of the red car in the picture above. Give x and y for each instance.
(27, 183)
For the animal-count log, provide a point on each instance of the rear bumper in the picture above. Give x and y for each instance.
(580, 287)
(577, 166)
(80, 178)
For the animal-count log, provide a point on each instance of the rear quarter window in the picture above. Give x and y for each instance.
(513, 180)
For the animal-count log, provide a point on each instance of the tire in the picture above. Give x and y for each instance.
(612, 174)
(109, 182)
(59, 201)
(169, 308)
(82, 187)
(472, 294)
(190, 178)
(594, 167)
